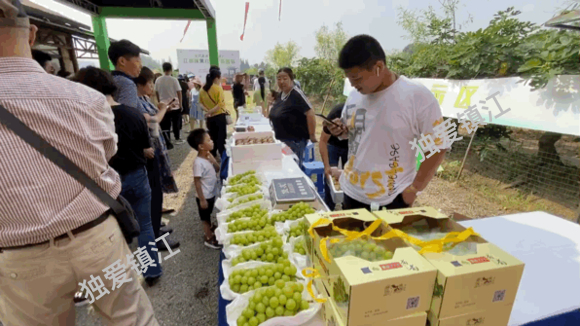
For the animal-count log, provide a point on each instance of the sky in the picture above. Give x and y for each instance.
(299, 21)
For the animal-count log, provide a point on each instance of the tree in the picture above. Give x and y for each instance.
(330, 42)
(244, 65)
(506, 47)
(283, 55)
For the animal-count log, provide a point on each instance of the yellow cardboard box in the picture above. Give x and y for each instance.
(365, 292)
(331, 316)
(465, 284)
(498, 316)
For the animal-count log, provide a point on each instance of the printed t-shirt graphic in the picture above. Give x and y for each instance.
(381, 162)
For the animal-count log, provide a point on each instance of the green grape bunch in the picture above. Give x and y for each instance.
(251, 179)
(236, 178)
(254, 212)
(245, 200)
(295, 212)
(367, 250)
(299, 247)
(254, 224)
(243, 189)
(282, 299)
(267, 233)
(244, 280)
(298, 229)
(270, 251)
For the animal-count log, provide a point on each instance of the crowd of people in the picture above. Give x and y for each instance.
(117, 128)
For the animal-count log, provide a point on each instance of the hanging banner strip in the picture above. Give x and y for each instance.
(245, 19)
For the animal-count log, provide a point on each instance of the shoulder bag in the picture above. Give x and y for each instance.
(121, 208)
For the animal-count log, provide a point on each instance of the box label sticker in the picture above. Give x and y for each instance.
(499, 296)
(386, 267)
(413, 303)
(478, 260)
(366, 270)
(456, 263)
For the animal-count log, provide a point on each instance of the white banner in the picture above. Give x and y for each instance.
(555, 107)
(197, 62)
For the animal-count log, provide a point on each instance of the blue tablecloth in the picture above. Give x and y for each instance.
(222, 303)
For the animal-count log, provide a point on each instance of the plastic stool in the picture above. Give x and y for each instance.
(309, 152)
(316, 167)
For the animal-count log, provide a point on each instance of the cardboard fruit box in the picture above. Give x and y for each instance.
(331, 316)
(255, 152)
(370, 292)
(486, 278)
(498, 316)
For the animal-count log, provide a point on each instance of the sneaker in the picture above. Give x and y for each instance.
(152, 280)
(212, 243)
(169, 146)
(179, 142)
(172, 244)
(80, 300)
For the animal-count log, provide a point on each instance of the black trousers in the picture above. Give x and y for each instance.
(171, 119)
(218, 131)
(350, 203)
(156, 194)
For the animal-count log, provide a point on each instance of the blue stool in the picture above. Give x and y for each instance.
(309, 152)
(316, 167)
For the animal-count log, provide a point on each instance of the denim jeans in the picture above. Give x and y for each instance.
(334, 153)
(137, 191)
(298, 147)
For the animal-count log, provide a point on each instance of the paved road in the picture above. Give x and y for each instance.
(187, 292)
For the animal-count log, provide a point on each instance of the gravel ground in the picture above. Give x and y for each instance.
(187, 293)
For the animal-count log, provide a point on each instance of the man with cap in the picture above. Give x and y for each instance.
(56, 237)
(256, 84)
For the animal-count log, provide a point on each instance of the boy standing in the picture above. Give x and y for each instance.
(205, 168)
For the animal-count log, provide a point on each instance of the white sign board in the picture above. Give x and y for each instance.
(197, 62)
(555, 107)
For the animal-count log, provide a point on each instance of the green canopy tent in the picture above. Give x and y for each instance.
(144, 9)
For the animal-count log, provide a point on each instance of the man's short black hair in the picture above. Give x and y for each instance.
(123, 48)
(97, 79)
(167, 67)
(41, 57)
(196, 138)
(361, 51)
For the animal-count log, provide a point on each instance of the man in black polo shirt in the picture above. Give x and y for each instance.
(331, 150)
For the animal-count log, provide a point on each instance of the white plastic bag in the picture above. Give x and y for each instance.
(235, 308)
(300, 261)
(221, 231)
(226, 291)
(223, 202)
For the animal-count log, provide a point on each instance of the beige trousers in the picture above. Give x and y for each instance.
(37, 284)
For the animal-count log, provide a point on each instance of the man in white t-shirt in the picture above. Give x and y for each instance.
(381, 117)
(257, 84)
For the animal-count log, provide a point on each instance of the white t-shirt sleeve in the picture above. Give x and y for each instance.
(197, 169)
(428, 116)
(177, 86)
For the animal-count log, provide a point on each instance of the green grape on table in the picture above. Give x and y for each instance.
(298, 229)
(299, 247)
(367, 250)
(254, 212)
(243, 189)
(260, 277)
(236, 178)
(295, 212)
(265, 303)
(245, 239)
(269, 252)
(253, 224)
(245, 200)
(249, 179)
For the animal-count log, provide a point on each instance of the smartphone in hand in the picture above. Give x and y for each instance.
(326, 119)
